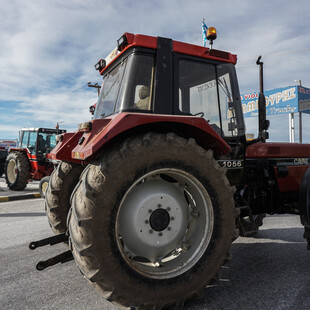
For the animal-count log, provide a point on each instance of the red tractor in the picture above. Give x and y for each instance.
(153, 190)
(29, 161)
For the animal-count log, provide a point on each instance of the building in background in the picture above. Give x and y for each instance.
(8, 142)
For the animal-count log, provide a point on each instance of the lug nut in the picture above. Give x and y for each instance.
(146, 222)
(168, 209)
(150, 231)
(150, 211)
(160, 234)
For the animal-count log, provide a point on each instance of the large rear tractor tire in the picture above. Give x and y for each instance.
(17, 171)
(152, 221)
(57, 196)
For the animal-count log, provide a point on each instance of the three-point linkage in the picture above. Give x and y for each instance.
(61, 258)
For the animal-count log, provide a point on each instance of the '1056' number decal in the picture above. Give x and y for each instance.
(231, 163)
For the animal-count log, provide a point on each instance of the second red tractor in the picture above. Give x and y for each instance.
(29, 161)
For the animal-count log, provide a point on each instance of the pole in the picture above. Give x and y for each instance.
(300, 127)
(291, 128)
(89, 84)
(300, 119)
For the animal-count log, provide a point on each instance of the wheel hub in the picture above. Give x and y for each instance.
(159, 219)
(154, 218)
(164, 223)
(12, 171)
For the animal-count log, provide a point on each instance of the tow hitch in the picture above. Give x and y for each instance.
(60, 258)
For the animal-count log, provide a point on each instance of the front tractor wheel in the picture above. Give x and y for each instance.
(57, 195)
(43, 185)
(17, 171)
(152, 221)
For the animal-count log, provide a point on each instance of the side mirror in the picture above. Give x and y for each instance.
(92, 110)
(266, 124)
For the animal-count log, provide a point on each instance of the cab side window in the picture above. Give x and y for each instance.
(32, 142)
(25, 138)
(136, 92)
(198, 93)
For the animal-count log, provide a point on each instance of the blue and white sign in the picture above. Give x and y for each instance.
(290, 99)
(304, 99)
(278, 101)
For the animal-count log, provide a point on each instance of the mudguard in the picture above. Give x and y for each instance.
(62, 151)
(86, 144)
(103, 131)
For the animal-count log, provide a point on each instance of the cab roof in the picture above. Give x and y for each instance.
(129, 40)
(46, 130)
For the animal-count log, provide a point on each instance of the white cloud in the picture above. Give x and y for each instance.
(46, 110)
(48, 48)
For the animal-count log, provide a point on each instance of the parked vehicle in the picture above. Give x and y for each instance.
(29, 161)
(153, 190)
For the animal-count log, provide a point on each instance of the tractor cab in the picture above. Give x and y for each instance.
(173, 79)
(160, 76)
(38, 141)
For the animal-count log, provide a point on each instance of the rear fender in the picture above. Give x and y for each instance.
(62, 150)
(104, 131)
(18, 149)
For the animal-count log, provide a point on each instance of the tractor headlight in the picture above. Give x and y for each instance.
(85, 127)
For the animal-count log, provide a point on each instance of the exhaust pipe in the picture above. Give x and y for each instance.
(263, 123)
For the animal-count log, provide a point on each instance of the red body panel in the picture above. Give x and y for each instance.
(38, 171)
(297, 156)
(63, 149)
(178, 47)
(294, 179)
(278, 150)
(12, 149)
(203, 52)
(104, 130)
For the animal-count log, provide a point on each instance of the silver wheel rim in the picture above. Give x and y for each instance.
(11, 172)
(44, 187)
(164, 223)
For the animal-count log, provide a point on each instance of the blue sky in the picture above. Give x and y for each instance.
(49, 48)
